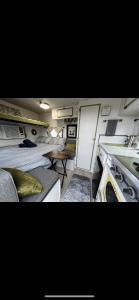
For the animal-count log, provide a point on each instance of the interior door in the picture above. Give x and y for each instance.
(86, 136)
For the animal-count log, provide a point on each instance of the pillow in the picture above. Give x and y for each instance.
(47, 140)
(53, 141)
(25, 183)
(70, 147)
(61, 141)
(41, 139)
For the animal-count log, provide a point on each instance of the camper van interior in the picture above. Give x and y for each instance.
(69, 150)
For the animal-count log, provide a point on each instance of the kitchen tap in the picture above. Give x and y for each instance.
(131, 140)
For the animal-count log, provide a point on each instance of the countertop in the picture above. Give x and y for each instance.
(120, 149)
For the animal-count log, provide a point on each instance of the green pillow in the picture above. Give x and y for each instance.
(70, 147)
(25, 183)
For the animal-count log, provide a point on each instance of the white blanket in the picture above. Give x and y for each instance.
(26, 159)
(43, 148)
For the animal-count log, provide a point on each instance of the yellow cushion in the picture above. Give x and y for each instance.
(70, 147)
(25, 183)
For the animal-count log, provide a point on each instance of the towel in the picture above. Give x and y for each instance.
(27, 144)
(111, 127)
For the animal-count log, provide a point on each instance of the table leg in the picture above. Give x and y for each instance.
(64, 167)
(52, 166)
(65, 173)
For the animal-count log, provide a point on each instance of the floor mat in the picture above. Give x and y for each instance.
(79, 189)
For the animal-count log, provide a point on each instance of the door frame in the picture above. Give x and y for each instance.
(78, 128)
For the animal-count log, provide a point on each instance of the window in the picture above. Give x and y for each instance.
(54, 132)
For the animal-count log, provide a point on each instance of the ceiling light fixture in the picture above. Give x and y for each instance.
(44, 105)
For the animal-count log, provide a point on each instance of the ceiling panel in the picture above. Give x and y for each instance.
(33, 103)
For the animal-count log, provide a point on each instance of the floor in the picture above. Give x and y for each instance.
(68, 178)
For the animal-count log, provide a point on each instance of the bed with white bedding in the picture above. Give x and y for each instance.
(32, 159)
(43, 148)
(26, 159)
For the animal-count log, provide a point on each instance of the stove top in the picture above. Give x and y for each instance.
(125, 171)
(131, 163)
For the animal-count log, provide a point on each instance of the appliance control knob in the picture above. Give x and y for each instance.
(137, 169)
(119, 177)
(136, 166)
(130, 191)
(113, 168)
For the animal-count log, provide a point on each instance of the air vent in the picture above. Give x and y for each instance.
(10, 132)
(65, 112)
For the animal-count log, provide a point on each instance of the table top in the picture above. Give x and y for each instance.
(58, 155)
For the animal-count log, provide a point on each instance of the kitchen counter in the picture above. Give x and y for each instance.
(120, 149)
(116, 145)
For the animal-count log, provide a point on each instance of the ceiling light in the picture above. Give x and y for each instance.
(44, 105)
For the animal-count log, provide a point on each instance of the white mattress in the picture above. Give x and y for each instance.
(26, 158)
(43, 148)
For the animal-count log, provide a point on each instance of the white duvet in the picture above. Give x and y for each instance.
(26, 159)
(43, 148)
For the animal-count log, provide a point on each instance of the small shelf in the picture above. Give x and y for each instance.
(24, 120)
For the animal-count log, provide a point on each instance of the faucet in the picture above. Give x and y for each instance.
(131, 140)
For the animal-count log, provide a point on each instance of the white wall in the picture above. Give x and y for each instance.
(54, 123)
(29, 135)
(48, 117)
(126, 127)
(28, 128)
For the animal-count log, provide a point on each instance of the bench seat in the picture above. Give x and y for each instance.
(47, 178)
